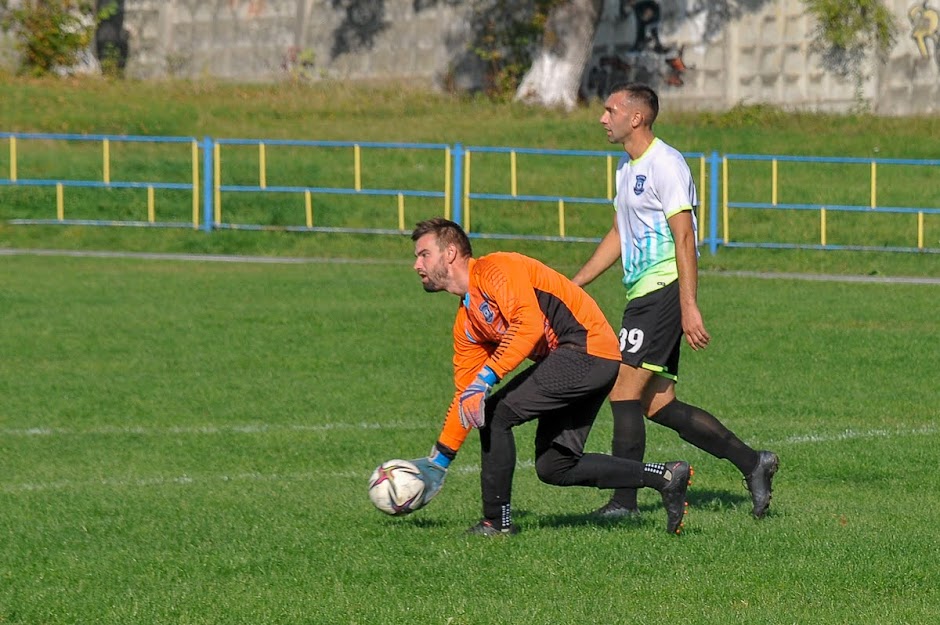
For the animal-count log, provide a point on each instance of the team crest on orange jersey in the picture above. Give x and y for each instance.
(487, 312)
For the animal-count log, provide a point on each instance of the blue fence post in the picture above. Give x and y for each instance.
(715, 167)
(457, 186)
(208, 208)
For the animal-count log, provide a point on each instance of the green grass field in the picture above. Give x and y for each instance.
(189, 442)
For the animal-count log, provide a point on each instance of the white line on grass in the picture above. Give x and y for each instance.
(287, 260)
(264, 428)
(849, 434)
(207, 258)
(208, 429)
(824, 277)
(184, 480)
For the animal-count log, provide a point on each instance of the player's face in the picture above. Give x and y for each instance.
(431, 263)
(617, 119)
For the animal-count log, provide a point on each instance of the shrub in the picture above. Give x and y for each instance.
(50, 34)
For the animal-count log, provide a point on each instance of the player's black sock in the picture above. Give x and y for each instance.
(654, 475)
(629, 442)
(505, 517)
(707, 433)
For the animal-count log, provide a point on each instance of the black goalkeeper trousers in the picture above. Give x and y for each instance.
(563, 393)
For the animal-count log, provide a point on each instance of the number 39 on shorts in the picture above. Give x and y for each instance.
(632, 337)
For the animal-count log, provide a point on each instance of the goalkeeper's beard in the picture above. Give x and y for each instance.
(434, 282)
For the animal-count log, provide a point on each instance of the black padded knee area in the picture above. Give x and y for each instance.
(554, 463)
(560, 466)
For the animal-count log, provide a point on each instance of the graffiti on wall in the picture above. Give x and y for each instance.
(925, 30)
(253, 8)
(628, 47)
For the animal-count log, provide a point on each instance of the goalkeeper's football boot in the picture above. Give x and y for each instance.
(759, 482)
(488, 528)
(678, 475)
(615, 510)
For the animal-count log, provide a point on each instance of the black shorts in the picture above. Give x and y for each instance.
(564, 392)
(651, 332)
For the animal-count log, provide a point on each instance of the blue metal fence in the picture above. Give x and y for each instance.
(923, 189)
(448, 181)
(13, 178)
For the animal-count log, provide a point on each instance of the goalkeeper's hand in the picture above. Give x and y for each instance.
(473, 399)
(433, 470)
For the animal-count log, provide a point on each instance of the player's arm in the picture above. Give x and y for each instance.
(604, 256)
(687, 262)
(469, 357)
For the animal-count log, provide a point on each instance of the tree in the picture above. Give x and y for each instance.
(51, 34)
(532, 50)
(848, 30)
(555, 74)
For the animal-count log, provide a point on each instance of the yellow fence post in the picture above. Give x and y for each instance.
(12, 159)
(920, 230)
(702, 204)
(59, 201)
(773, 181)
(217, 182)
(150, 204)
(610, 177)
(822, 225)
(724, 198)
(447, 190)
(561, 217)
(106, 161)
(401, 212)
(195, 153)
(512, 173)
(874, 184)
(357, 167)
(262, 166)
(466, 191)
(308, 208)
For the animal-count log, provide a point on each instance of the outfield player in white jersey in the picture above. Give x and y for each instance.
(654, 236)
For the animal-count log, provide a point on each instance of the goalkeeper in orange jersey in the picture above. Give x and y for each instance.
(515, 308)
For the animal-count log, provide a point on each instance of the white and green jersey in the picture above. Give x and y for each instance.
(650, 190)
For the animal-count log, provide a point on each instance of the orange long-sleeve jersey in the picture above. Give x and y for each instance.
(518, 308)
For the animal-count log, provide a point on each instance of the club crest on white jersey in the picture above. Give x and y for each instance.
(638, 186)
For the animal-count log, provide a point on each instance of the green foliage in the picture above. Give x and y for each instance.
(507, 34)
(50, 34)
(746, 116)
(848, 30)
(852, 24)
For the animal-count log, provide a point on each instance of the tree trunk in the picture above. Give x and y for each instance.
(555, 75)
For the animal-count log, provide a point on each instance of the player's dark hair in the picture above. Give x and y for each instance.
(643, 94)
(447, 233)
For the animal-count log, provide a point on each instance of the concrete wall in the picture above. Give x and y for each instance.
(762, 53)
(700, 54)
(259, 40)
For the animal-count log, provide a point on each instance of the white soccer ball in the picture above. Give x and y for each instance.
(396, 487)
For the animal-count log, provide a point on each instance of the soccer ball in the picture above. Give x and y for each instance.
(396, 487)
